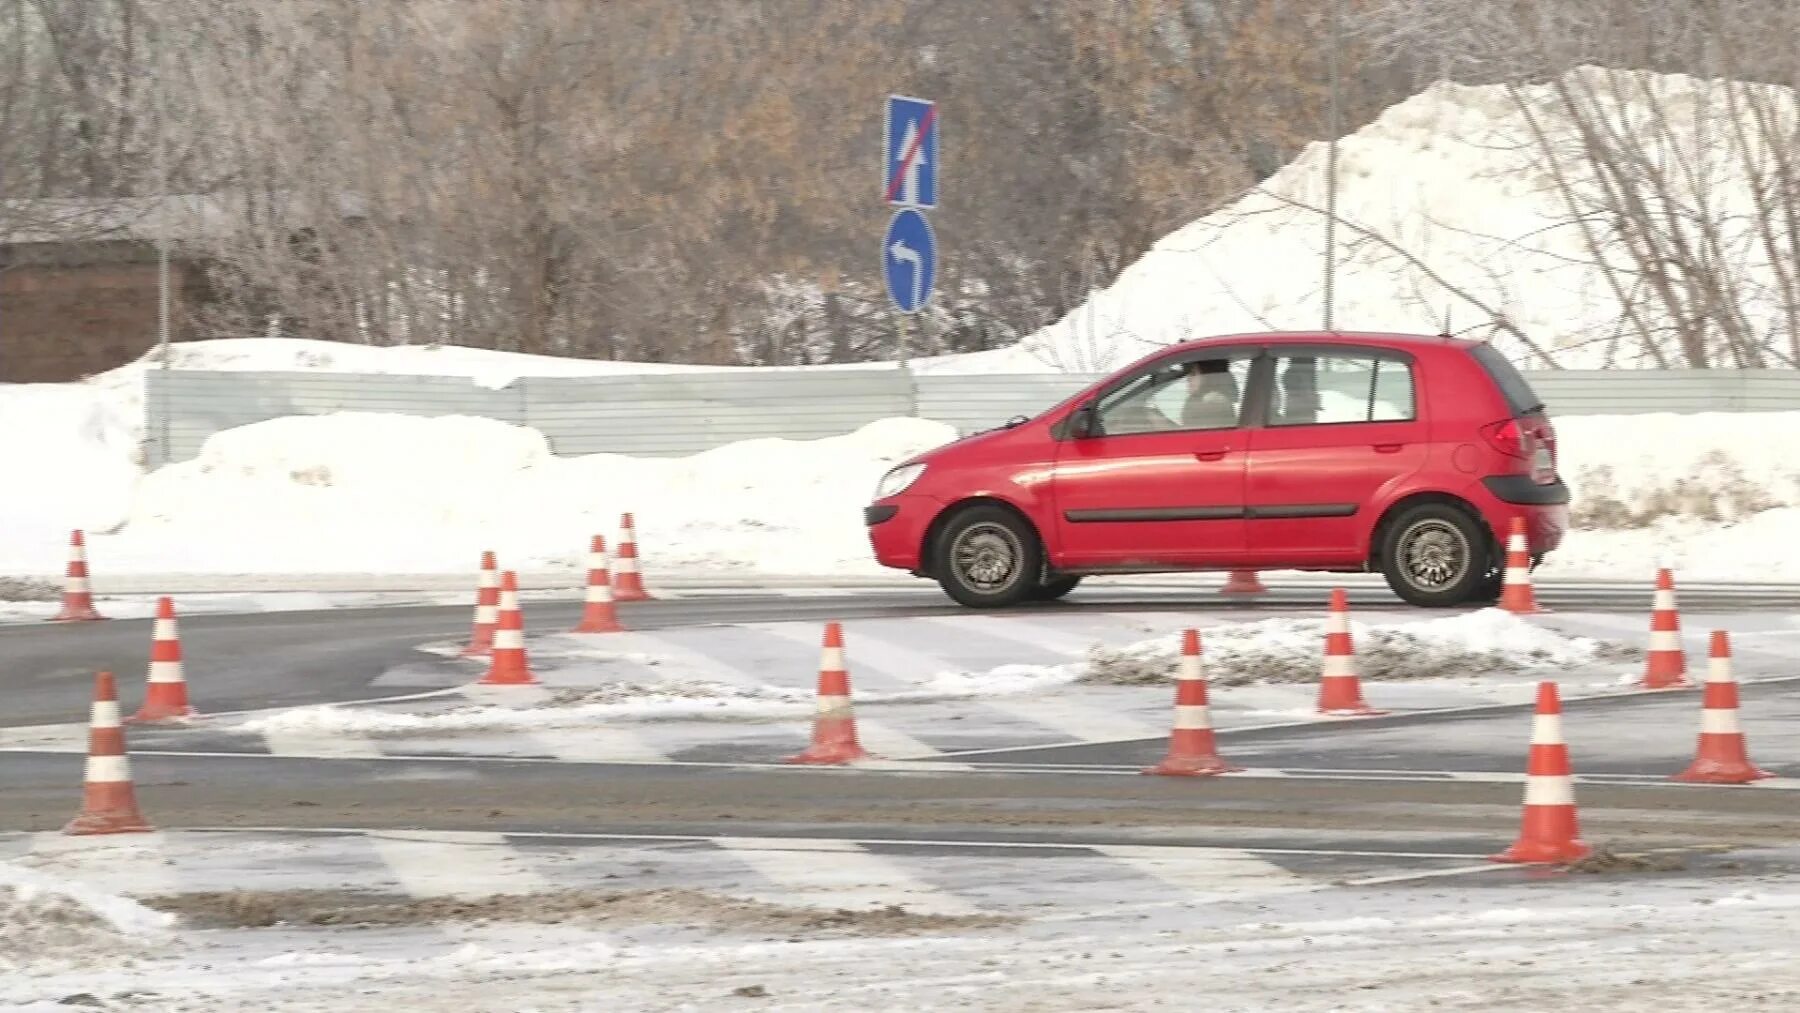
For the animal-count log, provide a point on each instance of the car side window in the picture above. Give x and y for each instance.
(1316, 390)
(1194, 394)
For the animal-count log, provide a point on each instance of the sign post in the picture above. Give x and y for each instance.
(909, 183)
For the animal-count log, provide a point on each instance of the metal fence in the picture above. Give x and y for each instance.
(684, 413)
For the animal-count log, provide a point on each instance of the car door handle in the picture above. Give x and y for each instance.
(1389, 448)
(1211, 455)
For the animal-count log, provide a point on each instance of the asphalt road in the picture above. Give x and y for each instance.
(297, 658)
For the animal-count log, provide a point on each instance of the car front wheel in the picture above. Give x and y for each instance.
(987, 557)
(1436, 556)
(1054, 588)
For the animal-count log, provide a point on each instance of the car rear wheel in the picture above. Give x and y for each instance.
(1054, 588)
(987, 557)
(1435, 555)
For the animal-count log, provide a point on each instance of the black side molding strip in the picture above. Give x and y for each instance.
(1291, 511)
(1194, 513)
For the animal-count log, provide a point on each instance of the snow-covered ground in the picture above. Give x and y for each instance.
(481, 921)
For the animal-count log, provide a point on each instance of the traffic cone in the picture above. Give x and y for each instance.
(1721, 757)
(1665, 667)
(834, 726)
(1516, 595)
(1193, 749)
(1243, 582)
(1340, 691)
(487, 610)
(509, 667)
(165, 696)
(109, 801)
(1550, 831)
(599, 615)
(78, 596)
(628, 583)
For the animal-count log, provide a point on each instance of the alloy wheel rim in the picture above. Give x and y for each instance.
(1434, 555)
(986, 557)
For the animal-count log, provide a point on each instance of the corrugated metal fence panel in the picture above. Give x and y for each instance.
(686, 413)
(1640, 392)
(190, 405)
(981, 402)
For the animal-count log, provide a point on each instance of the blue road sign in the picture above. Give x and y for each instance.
(909, 260)
(910, 147)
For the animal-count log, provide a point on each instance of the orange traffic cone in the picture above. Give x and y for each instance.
(1243, 582)
(487, 610)
(78, 595)
(1666, 665)
(1516, 595)
(599, 615)
(1722, 757)
(1193, 749)
(509, 667)
(109, 801)
(834, 726)
(1340, 691)
(166, 696)
(1551, 832)
(628, 582)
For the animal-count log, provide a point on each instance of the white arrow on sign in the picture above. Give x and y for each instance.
(909, 186)
(902, 252)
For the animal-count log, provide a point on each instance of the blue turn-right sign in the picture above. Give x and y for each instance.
(909, 260)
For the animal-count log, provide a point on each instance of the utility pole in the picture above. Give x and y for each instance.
(1331, 152)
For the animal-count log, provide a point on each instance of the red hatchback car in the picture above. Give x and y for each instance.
(1335, 452)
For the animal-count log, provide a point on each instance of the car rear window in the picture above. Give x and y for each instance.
(1513, 385)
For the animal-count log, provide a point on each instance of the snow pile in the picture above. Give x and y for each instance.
(47, 923)
(360, 493)
(1452, 177)
(1488, 642)
(1628, 470)
(69, 454)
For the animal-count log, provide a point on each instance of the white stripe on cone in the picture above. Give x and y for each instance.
(1663, 601)
(1546, 730)
(1192, 716)
(1337, 622)
(597, 561)
(1664, 641)
(626, 564)
(1338, 666)
(599, 594)
(165, 671)
(104, 714)
(1517, 543)
(1718, 670)
(509, 640)
(108, 769)
(487, 615)
(509, 601)
(834, 705)
(1541, 789)
(1719, 722)
(1518, 574)
(1190, 668)
(163, 629)
(831, 659)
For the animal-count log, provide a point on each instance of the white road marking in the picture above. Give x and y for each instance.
(308, 745)
(1085, 720)
(1208, 872)
(606, 744)
(135, 864)
(430, 864)
(838, 874)
(888, 742)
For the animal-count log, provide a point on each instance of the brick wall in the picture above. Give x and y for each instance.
(60, 323)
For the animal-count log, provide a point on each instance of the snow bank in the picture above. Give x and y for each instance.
(1487, 642)
(360, 493)
(45, 921)
(1449, 175)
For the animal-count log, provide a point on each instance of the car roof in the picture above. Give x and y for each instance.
(1388, 339)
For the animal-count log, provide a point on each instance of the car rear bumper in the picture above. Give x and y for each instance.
(897, 527)
(1545, 509)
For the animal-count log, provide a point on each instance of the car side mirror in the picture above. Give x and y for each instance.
(1081, 423)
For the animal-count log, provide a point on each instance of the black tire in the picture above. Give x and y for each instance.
(1435, 555)
(1488, 591)
(987, 557)
(1054, 588)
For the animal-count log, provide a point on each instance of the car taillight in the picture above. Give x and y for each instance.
(1509, 438)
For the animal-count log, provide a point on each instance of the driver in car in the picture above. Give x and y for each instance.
(1212, 396)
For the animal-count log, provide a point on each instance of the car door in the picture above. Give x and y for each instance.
(1343, 424)
(1159, 481)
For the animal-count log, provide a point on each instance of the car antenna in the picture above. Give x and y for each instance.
(1446, 331)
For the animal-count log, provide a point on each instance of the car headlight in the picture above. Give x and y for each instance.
(895, 482)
